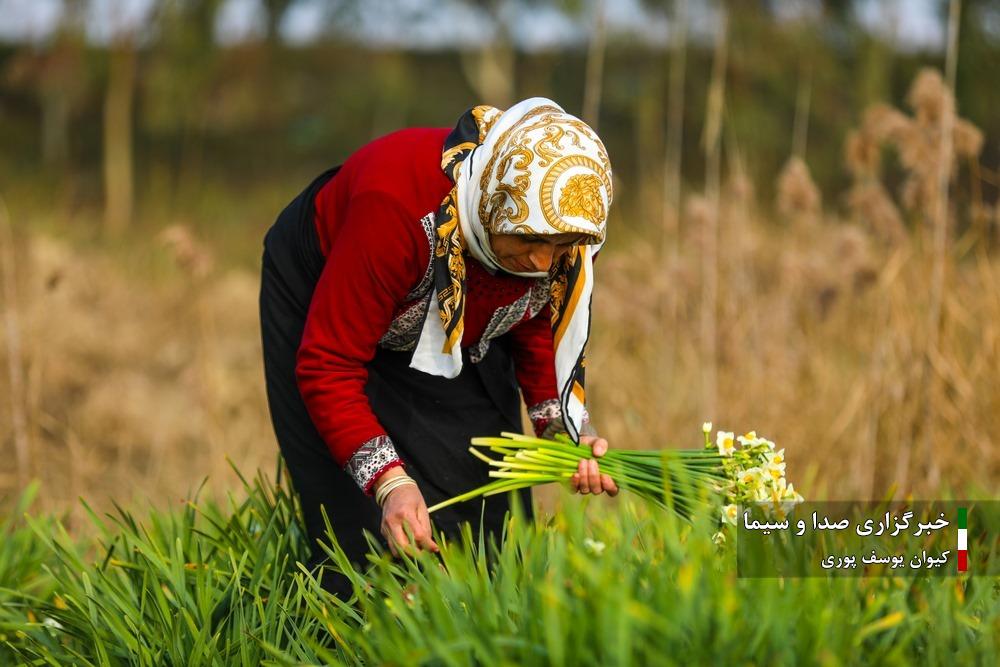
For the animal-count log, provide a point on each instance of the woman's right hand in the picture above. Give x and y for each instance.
(405, 508)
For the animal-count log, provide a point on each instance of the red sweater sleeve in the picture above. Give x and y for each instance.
(377, 257)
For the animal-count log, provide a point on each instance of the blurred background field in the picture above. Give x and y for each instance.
(803, 242)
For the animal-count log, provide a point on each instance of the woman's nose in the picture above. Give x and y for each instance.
(541, 257)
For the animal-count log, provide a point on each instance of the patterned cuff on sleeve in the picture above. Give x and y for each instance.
(372, 459)
(547, 419)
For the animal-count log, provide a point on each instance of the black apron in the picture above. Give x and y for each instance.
(429, 418)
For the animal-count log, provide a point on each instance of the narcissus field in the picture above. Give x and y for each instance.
(629, 583)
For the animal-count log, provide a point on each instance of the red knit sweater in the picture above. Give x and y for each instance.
(368, 218)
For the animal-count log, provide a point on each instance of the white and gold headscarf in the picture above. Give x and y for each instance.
(533, 169)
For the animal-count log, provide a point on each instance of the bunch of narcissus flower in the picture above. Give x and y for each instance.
(755, 473)
(676, 479)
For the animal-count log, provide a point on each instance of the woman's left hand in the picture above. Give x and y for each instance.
(588, 477)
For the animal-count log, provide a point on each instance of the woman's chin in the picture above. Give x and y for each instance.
(525, 273)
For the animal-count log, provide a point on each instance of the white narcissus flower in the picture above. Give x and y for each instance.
(775, 464)
(724, 441)
(761, 493)
(777, 490)
(777, 457)
(706, 427)
(729, 514)
(752, 477)
(748, 439)
(792, 495)
(593, 546)
(726, 487)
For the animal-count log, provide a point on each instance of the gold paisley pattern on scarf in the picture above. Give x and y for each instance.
(485, 116)
(520, 159)
(493, 208)
(448, 250)
(557, 292)
(485, 199)
(448, 161)
(548, 146)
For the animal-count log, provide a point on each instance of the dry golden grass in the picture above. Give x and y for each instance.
(139, 388)
(823, 339)
(136, 388)
(820, 342)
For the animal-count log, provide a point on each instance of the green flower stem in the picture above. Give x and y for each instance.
(674, 479)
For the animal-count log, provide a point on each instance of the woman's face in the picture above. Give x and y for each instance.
(527, 253)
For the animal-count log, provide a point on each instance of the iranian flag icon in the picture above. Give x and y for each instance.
(963, 539)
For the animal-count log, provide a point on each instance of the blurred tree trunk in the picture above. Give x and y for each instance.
(712, 147)
(675, 132)
(800, 127)
(118, 102)
(15, 364)
(595, 67)
(490, 72)
(490, 69)
(62, 84)
(648, 138)
(275, 12)
(876, 56)
(55, 128)
(394, 76)
(671, 194)
(181, 83)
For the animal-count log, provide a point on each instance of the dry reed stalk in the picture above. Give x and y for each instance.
(876, 392)
(33, 391)
(981, 213)
(867, 199)
(189, 253)
(71, 479)
(712, 147)
(738, 216)
(883, 374)
(671, 202)
(15, 365)
(934, 321)
(207, 374)
(739, 281)
(119, 101)
(675, 132)
(871, 205)
(799, 199)
(197, 262)
(595, 66)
